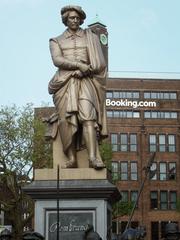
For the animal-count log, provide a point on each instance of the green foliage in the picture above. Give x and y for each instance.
(106, 154)
(42, 149)
(20, 133)
(122, 208)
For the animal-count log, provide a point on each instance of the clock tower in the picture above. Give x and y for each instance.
(101, 31)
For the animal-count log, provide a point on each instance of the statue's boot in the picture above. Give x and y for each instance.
(89, 134)
(71, 161)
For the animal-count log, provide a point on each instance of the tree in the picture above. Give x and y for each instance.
(106, 153)
(19, 131)
(122, 208)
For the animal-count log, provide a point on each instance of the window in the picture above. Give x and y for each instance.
(133, 142)
(123, 170)
(123, 142)
(160, 95)
(160, 115)
(172, 200)
(152, 142)
(134, 195)
(133, 169)
(167, 115)
(171, 143)
(167, 171)
(124, 195)
(116, 114)
(154, 95)
(136, 114)
(172, 171)
(154, 200)
(147, 95)
(162, 143)
(163, 200)
(153, 172)
(163, 225)
(109, 114)
(147, 114)
(114, 142)
(166, 96)
(173, 95)
(174, 115)
(128, 94)
(165, 143)
(109, 94)
(162, 171)
(135, 94)
(115, 94)
(154, 114)
(123, 114)
(129, 114)
(154, 230)
(122, 94)
(115, 171)
(158, 230)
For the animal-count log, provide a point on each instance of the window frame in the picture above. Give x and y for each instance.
(123, 172)
(163, 202)
(154, 201)
(133, 173)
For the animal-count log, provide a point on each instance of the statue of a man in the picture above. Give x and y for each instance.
(78, 88)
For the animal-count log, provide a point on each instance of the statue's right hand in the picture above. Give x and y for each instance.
(84, 68)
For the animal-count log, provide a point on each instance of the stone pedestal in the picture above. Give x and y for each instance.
(81, 202)
(85, 197)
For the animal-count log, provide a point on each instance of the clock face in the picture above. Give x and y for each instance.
(103, 39)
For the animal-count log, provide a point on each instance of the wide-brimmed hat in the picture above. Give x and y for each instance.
(74, 8)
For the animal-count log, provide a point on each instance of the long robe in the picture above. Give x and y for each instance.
(70, 93)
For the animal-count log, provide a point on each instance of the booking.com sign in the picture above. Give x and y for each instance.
(127, 103)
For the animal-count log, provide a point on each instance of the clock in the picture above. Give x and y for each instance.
(103, 39)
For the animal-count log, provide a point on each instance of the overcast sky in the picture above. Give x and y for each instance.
(144, 36)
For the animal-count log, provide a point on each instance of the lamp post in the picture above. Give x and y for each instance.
(139, 233)
(57, 236)
(147, 171)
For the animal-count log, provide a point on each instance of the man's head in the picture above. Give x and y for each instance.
(75, 11)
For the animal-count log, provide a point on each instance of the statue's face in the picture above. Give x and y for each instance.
(73, 21)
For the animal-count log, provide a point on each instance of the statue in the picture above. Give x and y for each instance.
(78, 88)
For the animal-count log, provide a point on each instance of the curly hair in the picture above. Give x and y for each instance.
(65, 15)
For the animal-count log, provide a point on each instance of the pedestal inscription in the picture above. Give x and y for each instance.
(72, 224)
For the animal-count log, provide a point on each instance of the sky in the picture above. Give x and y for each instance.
(144, 40)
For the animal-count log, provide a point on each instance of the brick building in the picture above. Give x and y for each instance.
(135, 132)
(143, 118)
